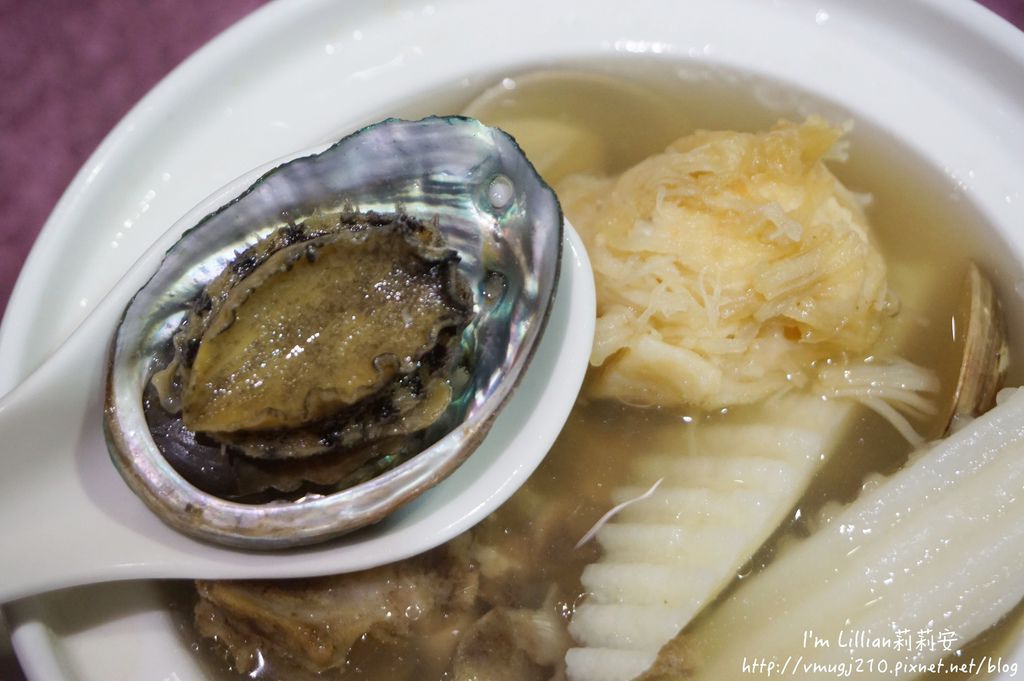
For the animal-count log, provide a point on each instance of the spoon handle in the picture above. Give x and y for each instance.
(69, 517)
(58, 491)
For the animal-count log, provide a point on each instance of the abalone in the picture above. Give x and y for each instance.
(336, 445)
(337, 336)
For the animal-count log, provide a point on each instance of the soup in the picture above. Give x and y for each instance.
(919, 222)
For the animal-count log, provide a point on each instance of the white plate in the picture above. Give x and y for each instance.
(943, 77)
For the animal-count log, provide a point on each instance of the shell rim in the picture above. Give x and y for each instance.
(180, 504)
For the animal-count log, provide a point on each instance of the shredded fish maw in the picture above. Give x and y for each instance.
(726, 266)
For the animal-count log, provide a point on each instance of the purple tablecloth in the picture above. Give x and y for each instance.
(70, 69)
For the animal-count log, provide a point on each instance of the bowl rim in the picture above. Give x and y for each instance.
(991, 39)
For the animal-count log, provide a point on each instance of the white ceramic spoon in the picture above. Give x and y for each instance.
(70, 519)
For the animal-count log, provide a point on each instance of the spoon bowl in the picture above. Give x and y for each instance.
(73, 521)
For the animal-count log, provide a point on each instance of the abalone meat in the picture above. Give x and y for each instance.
(332, 341)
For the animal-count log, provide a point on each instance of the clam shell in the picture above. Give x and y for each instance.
(491, 207)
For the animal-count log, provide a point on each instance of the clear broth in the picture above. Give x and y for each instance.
(923, 223)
